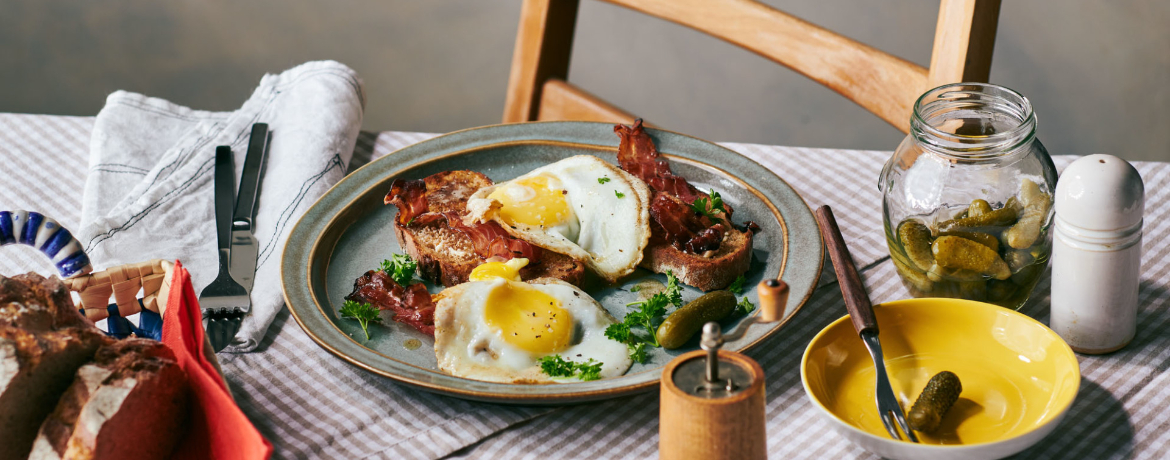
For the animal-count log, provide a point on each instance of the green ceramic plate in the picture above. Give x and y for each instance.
(348, 231)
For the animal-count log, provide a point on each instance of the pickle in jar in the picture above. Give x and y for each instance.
(961, 253)
(1027, 229)
(915, 239)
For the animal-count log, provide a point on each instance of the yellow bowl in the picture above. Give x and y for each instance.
(1019, 378)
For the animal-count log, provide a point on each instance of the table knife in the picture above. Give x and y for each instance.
(243, 255)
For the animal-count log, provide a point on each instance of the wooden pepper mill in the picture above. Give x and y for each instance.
(712, 400)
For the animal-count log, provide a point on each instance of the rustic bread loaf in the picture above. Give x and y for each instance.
(35, 369)
(130, 403)
(28, 301)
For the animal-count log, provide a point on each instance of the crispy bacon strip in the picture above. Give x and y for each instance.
(412, 305)
(637, 155)
(490, 240)
(410, 197)
(684, 229)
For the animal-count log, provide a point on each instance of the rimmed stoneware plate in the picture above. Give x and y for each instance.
(348, 231)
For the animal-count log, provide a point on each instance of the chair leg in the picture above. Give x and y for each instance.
(544, 44)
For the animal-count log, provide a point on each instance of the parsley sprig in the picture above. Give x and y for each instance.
(400, 267)
(619, 194)
(556, 366)
(736, 286)
(602, 180)
(648, 314)
(708, 206)
(363, 312)
(744, 306)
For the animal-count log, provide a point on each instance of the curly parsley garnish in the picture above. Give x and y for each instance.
(363, 312)
(400, 267)
(744, 306)
(556, 366)
(619, 194)
(649, 313)
(602, 180)
(736, 286)
(708, 206)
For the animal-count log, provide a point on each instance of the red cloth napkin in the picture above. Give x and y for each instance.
(217, 428)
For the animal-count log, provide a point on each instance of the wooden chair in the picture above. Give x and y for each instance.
(878, 81)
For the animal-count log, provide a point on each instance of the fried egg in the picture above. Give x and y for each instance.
(497, 330)
(581, 206)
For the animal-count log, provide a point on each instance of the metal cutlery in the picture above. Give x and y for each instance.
(243, 254)
(227, 304)
(861, 313)
(224, 301)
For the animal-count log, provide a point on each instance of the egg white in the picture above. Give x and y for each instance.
(465, 346)
(610, 226)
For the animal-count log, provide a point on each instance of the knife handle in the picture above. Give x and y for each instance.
(224, 194)
(856, 299)
(250, 179)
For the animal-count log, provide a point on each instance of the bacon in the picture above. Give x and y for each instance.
(489, 240)
(412, 305)
(684, 229)
(410, 197)
(637, 155)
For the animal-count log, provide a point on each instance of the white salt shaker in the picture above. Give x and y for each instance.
(1096, 253)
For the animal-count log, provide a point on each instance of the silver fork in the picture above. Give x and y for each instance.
(223, 302)
(861, 313)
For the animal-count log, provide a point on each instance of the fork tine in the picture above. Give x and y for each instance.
(888, 421)
(902, 423)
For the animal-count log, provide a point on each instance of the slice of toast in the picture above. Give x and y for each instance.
(446, 256)
(708, 271)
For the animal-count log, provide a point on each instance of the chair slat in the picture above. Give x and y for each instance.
(561, 100)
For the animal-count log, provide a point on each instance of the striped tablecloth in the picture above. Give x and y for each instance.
(312, 405)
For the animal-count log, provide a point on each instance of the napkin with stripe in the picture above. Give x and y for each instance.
(150, 189)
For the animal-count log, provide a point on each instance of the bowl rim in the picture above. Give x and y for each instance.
(1056, 418)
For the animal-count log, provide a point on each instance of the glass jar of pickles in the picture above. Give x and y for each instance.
(967, 197)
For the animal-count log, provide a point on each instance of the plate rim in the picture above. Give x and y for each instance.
(530, 399)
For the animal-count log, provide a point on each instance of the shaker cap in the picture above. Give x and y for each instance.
(1101, 193)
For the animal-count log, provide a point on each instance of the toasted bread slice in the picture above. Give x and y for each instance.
(446, 256)
(707, 272)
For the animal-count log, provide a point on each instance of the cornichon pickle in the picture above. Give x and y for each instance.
(939, 273)
(985, 239)
(915, 239)
(961, 253)
(686, 321)
(1036, 205)
(1001, 217)
(916, 278)
(941, 392)
(1018, 259)
(978, 208)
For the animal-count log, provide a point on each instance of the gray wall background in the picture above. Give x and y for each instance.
(1097, 72)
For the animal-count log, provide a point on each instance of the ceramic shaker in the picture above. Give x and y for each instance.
(1096, 256)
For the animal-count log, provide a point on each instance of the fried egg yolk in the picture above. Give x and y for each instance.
(509, 270)
(536, 201)
(528, 318)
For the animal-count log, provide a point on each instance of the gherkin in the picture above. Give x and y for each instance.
(941, 392)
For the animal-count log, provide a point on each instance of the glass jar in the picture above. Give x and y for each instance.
(967, 197)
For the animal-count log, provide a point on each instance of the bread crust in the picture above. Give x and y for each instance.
(708, 273)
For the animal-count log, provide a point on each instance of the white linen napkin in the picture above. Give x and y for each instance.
(150, 189)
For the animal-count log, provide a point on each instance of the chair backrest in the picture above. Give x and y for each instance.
(878, 81)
